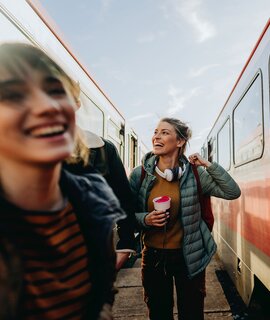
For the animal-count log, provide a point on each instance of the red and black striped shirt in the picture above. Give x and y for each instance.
(55, 260)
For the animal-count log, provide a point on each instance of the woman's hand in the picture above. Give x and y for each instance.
(197, 160)
(156, 218)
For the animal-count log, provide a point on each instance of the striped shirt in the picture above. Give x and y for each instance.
(55, 260)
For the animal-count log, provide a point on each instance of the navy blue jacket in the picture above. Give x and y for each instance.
(107, 162)
(97, 210)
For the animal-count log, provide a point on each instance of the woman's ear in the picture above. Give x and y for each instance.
(180, 143)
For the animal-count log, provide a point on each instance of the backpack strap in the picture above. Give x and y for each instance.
(205, 201)
(196, 174)
(199, 187)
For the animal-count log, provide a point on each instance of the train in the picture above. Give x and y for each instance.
(26, 21)
(239, 140)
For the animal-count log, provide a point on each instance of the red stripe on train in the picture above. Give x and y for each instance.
(249, 215)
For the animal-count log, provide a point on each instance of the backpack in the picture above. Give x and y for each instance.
(205, 201)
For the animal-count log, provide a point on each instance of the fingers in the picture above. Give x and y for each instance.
(198, 160)
(194, 157)
(156, 218)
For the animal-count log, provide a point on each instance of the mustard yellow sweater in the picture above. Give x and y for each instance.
(171, 236)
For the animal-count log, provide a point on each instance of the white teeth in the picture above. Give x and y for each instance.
(47, 130)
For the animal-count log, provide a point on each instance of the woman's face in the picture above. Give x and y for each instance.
(165, 140)
(37, 118)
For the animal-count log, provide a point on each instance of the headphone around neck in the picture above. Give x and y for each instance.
(171, 174)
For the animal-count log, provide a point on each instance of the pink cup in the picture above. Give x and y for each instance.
(162, 203)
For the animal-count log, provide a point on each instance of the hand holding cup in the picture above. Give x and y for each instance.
(159, 217)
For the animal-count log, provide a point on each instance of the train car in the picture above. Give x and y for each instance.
(26, 21)
(240, 141)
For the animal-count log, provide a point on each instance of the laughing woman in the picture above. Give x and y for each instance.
(59, 225)
(177, 248)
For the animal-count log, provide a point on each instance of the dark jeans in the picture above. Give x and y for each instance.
(159, 268)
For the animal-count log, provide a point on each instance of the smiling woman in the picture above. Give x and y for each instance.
(37, 112)
(177, 242)
(48, 216)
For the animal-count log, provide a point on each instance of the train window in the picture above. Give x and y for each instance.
(114, 135)
(211, 149)
(204, 151)
(248, 125)
(90, 117)
(223, 144)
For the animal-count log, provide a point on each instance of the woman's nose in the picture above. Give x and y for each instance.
(44, 103)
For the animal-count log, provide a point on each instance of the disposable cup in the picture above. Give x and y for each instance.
(162, 203)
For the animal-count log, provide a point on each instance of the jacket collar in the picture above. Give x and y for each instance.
(149, 162)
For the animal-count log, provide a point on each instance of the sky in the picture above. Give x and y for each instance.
(159, 58)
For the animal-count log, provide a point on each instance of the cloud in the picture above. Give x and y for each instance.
(178, 99)
(191, 12)
(141, 116)
(196, 73)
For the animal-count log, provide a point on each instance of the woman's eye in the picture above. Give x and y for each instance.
(57, 91)
(12, 96)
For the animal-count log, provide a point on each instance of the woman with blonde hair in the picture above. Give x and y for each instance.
(59, 224)
(177, 245)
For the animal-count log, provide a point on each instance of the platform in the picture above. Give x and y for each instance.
(129, 304)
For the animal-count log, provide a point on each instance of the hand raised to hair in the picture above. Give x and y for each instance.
(156, 218)
(198, 160)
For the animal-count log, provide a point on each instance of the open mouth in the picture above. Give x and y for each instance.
(48, 131)
(158, 145)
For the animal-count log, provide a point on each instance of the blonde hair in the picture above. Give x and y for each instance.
(17, 57)
(80, 152)
(75, 91)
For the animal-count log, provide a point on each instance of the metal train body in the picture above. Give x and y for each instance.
(23, 21)
(240, 142)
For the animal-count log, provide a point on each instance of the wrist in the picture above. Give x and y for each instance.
(145, 220)
(207, 164)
